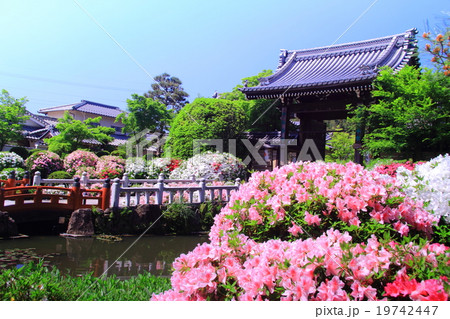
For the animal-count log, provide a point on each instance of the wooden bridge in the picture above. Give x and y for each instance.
(16, 197)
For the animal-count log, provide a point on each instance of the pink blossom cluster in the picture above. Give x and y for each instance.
(78, 159)
(329, 267)
(110, 167)
(426, 290)
(391, 169)
(238, 264)
(303, 194)
(45, 162)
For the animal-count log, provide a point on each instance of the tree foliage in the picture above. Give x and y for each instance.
(168, 91)
(411, 114)
(144, 113)
(341, 147)
(12, 117)
(263, 115)
(73, 134)
(205, 119)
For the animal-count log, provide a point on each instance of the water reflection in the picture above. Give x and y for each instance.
(77, 256)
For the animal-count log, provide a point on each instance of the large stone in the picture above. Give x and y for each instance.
(8, 227)
(81, 222)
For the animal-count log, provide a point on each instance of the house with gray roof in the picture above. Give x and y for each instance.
(39, 127)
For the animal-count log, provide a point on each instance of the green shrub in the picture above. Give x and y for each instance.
(180, 219)
(60, 175)
(21, 151)
(34, 282)
(120, 153)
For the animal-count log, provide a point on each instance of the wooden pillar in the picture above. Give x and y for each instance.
(284, 122)
(282, 154)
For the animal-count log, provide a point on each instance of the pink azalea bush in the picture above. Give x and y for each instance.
(315, 231)
(391, 169)
(45, 162)
(110, 167)
(79, 158)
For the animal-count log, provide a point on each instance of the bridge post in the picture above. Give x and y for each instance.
(11, 181)
(26, 179)
(84, 179)
(76, 193)
(160, 191)
(125, 180)
(106, 194)
(115, 193)
(37, 179)
(202, 193)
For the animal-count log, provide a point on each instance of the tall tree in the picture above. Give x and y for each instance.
(411, 115)
(205, 119)
(144, 113)
(73, 134)
(168, 91)
(262, 115)
(12, 117)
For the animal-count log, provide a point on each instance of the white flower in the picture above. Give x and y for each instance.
(209, 165)
(430, 183)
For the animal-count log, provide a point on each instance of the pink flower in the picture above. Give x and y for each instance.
(295, 230)
(312, 219)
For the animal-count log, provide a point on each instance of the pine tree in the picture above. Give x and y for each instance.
(168, 91)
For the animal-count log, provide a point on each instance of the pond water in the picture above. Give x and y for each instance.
(78, 256)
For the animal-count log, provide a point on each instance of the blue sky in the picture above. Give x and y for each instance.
(54, 53)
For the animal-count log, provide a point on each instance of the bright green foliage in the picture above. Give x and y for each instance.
(341, 147)
(205, 119)
(34, 282)
(263, 115)
(168, 91)
(73, 134)
(144, 113)
(411, 115)
(12, 116)
(250, 81)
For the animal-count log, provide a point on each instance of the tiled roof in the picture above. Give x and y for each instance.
(87, 107)
(334, 68)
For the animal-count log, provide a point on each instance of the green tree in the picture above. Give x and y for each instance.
(411, 114)
(168, 91)
(144, 113)
(73, 134)
(340, 147)
(12, 117)
(205, 119)
(263, 115)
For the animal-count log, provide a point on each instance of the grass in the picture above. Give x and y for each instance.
(35, 282)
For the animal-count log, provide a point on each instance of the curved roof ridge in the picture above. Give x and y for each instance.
(352, 44)
(338, 66)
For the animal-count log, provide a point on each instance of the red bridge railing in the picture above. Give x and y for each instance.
(22, 198)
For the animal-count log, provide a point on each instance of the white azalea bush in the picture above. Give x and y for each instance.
(430, 183)
(9, 160)
(163, 165)
(136, 167)
(211, 165)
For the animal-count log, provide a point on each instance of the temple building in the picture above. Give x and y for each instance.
(317, 84)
